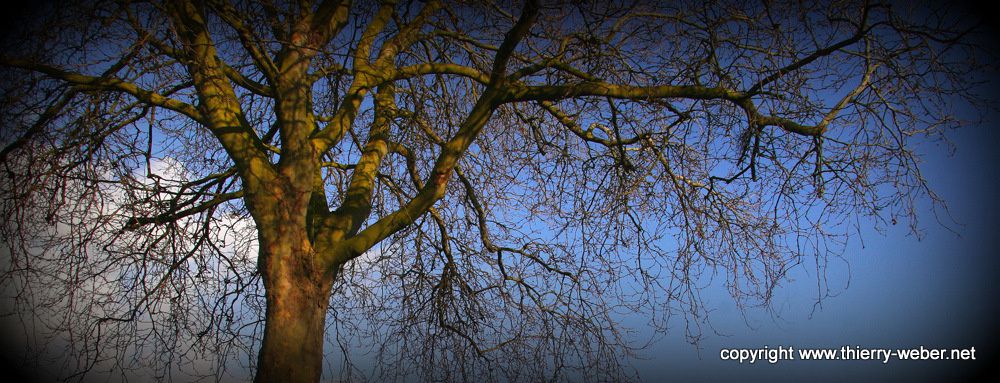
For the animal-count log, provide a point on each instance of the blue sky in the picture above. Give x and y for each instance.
(892, 289)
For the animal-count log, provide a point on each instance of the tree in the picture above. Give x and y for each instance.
(467, 189)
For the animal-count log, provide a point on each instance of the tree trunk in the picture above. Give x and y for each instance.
(298, 291)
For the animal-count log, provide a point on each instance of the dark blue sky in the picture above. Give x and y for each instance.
(895, 291)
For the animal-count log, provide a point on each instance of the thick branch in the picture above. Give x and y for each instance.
(638, 93)
(424, 69)
(451, 151)
(223, 113)
(85, 82)
(357, 202)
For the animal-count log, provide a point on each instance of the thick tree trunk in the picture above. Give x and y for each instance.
(298, 292)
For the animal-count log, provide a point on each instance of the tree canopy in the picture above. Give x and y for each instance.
(456, 190)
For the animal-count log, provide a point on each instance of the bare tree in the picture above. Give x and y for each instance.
(461, 190)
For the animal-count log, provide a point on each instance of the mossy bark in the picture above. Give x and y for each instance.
(297, 293)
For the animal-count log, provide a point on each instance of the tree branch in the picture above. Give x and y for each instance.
(84, 82)
(451, 151)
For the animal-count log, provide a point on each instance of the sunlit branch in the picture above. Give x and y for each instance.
(85, 82)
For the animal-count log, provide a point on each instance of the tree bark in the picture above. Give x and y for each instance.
(297, 294)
